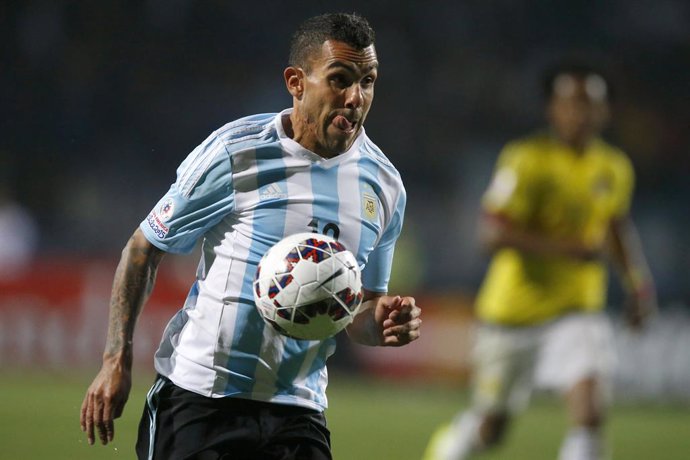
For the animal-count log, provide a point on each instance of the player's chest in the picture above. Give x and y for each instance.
(577, 188)
(581, 180)
(343, 202)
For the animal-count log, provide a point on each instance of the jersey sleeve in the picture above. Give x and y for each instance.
(377, 271)
(512, 186)
(625, 183)
(199, 198)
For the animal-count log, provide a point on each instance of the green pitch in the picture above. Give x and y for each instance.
(369, 420)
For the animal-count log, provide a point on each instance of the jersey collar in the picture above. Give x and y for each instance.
(295, 149)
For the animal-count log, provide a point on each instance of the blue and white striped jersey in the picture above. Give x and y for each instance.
(242, 190)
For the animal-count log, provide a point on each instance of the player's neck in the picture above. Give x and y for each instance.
(579, 146)
(287, 126)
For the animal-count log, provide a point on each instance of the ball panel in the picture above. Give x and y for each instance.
(315, 250)
(273, 289)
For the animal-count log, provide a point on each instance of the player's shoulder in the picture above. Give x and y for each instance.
(527, 152)
(387, 176)
(534, 144)
(252, 129)
(613, 155)
(372, 152)
(602, 147)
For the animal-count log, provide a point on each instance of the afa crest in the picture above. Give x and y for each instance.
(370, 206)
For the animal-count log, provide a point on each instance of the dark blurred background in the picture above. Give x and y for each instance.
(102, 100)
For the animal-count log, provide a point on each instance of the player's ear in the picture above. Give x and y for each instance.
(294, 80)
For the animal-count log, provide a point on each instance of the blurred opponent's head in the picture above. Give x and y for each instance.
(331, 74)
(577, 102)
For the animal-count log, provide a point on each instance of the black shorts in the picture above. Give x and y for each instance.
(178, 424)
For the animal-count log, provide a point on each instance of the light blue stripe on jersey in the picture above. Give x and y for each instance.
(249, 324)
(324, 184)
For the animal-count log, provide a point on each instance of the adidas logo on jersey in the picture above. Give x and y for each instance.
(272, 192)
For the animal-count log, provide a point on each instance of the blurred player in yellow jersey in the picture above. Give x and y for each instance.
(555, 211)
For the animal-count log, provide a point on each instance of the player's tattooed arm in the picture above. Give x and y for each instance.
(106, 396)
(134, 280)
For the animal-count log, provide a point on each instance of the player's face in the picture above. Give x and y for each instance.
(578, 109)
(333, 98)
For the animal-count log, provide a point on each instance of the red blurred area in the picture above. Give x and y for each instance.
(55, 315)
(55, 312)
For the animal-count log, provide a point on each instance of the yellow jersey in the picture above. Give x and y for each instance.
(543, 185)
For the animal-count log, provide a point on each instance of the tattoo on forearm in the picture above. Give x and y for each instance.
(133, 283)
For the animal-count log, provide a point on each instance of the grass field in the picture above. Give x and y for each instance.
(369, 419)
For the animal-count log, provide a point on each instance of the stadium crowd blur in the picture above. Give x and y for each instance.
(102, 99)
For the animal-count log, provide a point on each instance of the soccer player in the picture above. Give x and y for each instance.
(557, 205)
(228, 386)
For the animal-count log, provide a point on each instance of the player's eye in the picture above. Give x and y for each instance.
(340, 80)
(368, 81)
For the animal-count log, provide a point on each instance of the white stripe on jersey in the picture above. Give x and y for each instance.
(348, 206)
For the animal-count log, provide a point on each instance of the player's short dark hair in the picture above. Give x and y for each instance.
(577, 69)
(348, 28)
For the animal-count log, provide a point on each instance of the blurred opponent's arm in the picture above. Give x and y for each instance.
(628, 258)
(497, 231)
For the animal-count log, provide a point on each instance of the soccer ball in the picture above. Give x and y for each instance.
(308, 286)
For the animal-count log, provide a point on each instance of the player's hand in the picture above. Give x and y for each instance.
(104, 401)
(399, 320)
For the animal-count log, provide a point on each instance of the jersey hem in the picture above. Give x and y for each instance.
(274, 399)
